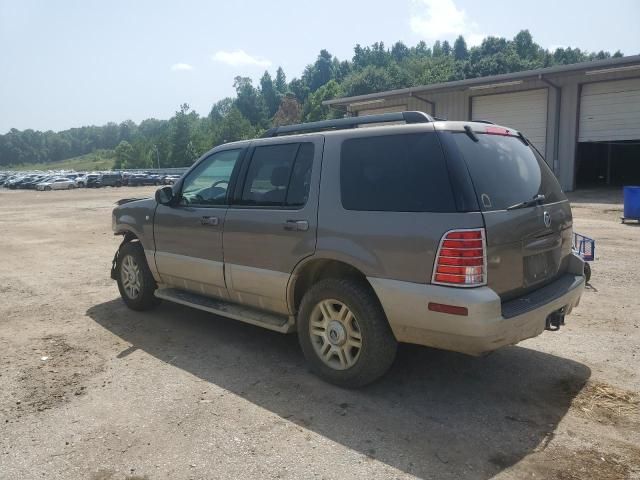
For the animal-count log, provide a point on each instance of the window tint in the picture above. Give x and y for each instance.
(505, 171)
(279, 175)
(401, 173)
(208, 183)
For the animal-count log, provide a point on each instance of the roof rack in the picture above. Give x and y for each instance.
(349, 122)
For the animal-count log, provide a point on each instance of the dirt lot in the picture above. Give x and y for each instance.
(91, 390)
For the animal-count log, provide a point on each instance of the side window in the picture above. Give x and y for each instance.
(395, 173)
(279, 175)
(208, 183)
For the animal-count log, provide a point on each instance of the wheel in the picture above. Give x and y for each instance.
(47, 188)
(135, 281)
(344, 333)
(118, 184)
(71, 186)
(587, 272)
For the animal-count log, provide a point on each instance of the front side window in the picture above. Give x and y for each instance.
(279, 175)
(208, 183)
(395, 173)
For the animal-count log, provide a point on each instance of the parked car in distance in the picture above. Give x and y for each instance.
(92, 180)
(58, 183)
(111, 180)
(453, 235)
(170, 179)
(138, 179)
(81, 180)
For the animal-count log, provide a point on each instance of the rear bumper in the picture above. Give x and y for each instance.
(489, 325)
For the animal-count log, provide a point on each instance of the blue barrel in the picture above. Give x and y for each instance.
(632, 203)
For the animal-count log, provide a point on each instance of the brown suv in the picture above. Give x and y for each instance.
(454, 235)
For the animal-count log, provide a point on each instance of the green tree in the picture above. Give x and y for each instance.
(314, 110)
(269, 94)
(124, 155)
(250, 102)
(281, 81)
(460, 51)
(182, 154)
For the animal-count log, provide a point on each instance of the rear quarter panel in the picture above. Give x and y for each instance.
(393, 245)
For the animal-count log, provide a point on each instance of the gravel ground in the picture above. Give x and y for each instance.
(91, 390)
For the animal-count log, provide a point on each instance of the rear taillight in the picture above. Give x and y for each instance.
(461, 260)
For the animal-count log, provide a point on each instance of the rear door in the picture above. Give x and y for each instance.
(527, 245)
(271, 224)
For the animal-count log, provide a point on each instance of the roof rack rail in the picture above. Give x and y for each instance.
(349, 122)
(484, 121)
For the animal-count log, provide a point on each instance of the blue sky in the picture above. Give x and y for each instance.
(71, 63)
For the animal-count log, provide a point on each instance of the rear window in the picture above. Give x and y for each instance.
(395, 173)
(505, 171)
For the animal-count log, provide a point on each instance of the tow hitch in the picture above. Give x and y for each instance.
(555, 320)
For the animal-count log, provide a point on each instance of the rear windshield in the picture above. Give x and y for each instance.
(395, 173)
(505, 171)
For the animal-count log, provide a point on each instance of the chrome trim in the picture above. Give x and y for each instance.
(485, 273)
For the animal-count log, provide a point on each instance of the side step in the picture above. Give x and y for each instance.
(254, 316)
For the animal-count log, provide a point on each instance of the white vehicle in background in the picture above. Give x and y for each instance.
(81, 180)
(59, 183)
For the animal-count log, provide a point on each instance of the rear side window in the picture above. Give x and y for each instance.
(395, 173)
(505, 171)
(279, 175)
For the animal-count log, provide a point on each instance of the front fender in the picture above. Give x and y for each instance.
(136, 218)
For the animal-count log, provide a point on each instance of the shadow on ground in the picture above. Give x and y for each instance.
(436, 414)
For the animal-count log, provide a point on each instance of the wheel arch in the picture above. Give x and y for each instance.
(313, 269)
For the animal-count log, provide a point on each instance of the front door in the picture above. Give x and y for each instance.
(271, 224)
(188, 235)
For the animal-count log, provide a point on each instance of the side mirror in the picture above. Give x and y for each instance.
(164, 195)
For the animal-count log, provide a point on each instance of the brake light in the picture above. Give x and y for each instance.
(497, 131)
(461, 259)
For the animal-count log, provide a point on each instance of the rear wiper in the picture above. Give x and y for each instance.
(536, 200)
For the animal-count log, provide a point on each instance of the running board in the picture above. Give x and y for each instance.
(272, 321)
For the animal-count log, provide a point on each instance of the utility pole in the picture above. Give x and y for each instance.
(155, 147)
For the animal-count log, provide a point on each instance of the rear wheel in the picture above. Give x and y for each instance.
(344, 333)
(47, 188)
(135, 281)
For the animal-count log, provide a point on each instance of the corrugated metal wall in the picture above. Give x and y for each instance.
(456, 105)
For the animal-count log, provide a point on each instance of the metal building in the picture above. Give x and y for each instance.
(584, 118)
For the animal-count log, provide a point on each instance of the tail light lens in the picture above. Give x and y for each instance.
(461, 260)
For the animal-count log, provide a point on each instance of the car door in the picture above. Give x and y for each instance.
(188, 234)
(271, 223)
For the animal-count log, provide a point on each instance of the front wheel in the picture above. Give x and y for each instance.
(135, 281)
(344, 333)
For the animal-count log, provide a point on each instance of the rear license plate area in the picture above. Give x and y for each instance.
(539, 267)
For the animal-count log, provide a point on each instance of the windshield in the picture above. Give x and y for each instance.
(506, 172)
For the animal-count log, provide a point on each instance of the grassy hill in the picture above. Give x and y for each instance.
(98, 160)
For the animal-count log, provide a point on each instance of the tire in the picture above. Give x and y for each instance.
(131, 258)
(377, 345)
(47, 188)
(118, 184)
(587, 272)
(71, 187)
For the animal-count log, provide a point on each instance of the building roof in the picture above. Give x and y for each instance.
(633, 60)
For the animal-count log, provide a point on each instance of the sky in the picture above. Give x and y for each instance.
(70, 63)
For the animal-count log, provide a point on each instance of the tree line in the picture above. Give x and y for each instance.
(275, 101)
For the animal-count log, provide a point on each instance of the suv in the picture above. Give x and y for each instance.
(454, 235)
(110, 180)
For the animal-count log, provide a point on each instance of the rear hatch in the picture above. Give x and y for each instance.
(527, 216)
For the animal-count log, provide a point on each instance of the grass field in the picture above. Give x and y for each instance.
(98, 160)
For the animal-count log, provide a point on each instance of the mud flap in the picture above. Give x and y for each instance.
(114, 262)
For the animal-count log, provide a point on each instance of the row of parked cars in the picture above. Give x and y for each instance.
(70, 180)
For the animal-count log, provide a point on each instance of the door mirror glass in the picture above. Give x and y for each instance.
(164, 195)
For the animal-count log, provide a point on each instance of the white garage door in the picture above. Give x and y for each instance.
(610, 111)
(524, 111)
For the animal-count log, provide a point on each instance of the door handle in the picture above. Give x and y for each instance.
(296, 225)
(209, 221)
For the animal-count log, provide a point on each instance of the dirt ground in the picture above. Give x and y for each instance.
(91, 390)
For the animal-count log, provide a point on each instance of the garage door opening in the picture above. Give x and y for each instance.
(608, 164)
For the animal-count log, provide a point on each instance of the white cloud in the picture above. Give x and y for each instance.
(176, 67)
(441, 20)
(239, 58)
